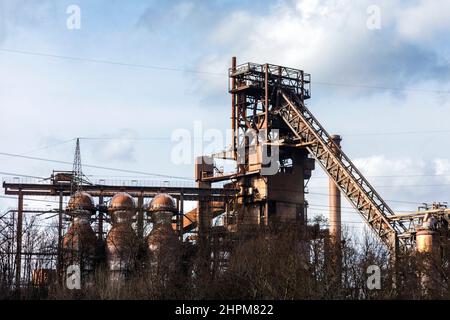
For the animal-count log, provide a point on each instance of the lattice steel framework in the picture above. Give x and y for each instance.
(269, 96)
(253, 88)
(77, 171)
(340, 168)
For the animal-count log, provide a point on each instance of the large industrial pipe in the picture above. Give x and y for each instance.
(335, 252)
(427, 245)
(335, 201)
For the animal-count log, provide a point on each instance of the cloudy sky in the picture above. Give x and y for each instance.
(135, 72)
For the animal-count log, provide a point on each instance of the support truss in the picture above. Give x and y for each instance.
(339, 167)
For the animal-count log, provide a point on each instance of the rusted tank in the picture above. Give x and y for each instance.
(80, 243)
(121, 243)
(427, 246)
(426, 241)
(163, 246)
(426, 236)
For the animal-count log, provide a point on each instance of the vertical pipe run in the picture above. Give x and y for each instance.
(19, 239)
(233, 110)
(181, 215)
(266, 103)
(60, 236)
(266, 133)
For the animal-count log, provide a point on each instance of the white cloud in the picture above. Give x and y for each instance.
(442, 167)
(117, 148)
(329, 39)
(408, 179)
(403, 182)
(381, 165)
(424, 19)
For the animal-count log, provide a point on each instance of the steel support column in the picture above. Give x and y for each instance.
(19, 230)
(140, 217)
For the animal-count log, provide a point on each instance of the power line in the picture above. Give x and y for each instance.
(50, 146)
(400, 185)
(30, 199)
(394, 133)
(126, 138)
(398, 176)
(101, 61)
(20, 175)
(378, 87)
(94, 166)
(399, 201)
(175, 69)
(350, 209)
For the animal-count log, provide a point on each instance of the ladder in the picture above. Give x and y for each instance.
(338, 166)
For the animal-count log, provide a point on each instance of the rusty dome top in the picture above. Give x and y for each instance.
(81, 201)
(162, 202)
(121, 201)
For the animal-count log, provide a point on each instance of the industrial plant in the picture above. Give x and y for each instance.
(129, 230)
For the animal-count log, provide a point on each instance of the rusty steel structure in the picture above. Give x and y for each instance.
(79, 244)
(276, 141)
(183, 222)
(122, 241)
(163, 245)
(268, 112)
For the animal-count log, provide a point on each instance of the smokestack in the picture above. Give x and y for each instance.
(335, 201)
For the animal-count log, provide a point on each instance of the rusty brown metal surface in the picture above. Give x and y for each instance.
(163, 244)
(81, 201)
(43, 277)
(122, 243)
(121, 201)
(189, 193)
(79, 245)
(233, 111)
(162, 241)
(334, 201)
(190, 217)
(121, 250)
(162, 202)
(426, 241)
(79, 235)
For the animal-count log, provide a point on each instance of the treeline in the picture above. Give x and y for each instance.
(284, 261)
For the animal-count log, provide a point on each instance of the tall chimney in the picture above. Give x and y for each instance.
(334, 201)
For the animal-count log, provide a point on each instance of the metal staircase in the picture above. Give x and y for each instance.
(339, 167)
